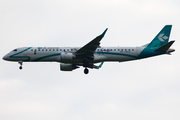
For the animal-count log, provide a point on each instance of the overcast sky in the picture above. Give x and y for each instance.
(147, 89)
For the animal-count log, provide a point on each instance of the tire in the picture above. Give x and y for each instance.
(86, 71)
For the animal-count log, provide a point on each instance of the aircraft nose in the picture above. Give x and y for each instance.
(5, 57)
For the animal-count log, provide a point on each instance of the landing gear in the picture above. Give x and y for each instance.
(86, 71)
(20, 67)
(86, 64)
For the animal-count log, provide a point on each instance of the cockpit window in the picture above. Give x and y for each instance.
(15, 50)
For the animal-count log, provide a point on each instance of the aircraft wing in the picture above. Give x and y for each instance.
(87, 51)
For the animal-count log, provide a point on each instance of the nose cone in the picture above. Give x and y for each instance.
(5, 57)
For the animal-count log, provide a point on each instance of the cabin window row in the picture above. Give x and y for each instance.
(120, 50)
(99, 50)
(53, 49)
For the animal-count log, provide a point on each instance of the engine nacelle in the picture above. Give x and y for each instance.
(66, 57)
(67, 67)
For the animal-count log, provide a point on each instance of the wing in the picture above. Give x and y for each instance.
(87, 51)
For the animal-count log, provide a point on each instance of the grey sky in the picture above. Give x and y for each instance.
(143, 89)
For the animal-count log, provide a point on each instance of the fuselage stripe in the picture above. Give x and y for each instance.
(47, 56)
(28, 58)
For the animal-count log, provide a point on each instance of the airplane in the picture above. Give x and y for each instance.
(71, 58)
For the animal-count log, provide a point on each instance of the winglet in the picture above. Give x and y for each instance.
(104, 32)
(100, 65)
(97, 67)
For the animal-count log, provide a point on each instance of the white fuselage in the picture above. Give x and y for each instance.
(71, 58)
(52, 54)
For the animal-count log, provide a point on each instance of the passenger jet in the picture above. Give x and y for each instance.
(71, 58)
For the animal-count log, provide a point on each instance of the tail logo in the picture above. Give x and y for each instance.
(162, 37)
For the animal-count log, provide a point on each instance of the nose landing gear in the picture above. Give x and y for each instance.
(21, 63)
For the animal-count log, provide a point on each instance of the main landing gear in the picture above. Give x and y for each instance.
(21, 63)
(86, 64)
(86, 71)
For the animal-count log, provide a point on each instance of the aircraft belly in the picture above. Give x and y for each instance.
(99, 58)
(125, 58)
(112, 57)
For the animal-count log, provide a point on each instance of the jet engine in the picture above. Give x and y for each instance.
(67, 67)
(66, 57)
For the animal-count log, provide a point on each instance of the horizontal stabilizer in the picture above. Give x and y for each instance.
(165, 47)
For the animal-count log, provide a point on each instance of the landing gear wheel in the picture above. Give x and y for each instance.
(86, 71)
(20, 67)
(20, 62)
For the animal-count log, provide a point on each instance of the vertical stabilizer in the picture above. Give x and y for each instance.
(161, 38)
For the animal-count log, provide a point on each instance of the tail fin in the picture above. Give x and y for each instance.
(161, 38)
